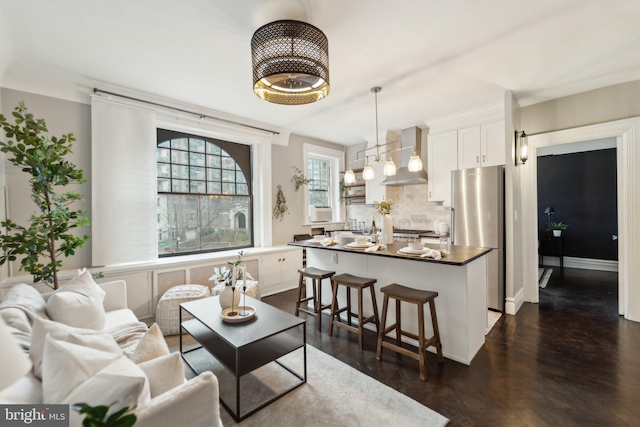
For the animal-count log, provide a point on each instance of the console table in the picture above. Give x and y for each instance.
(547, 241)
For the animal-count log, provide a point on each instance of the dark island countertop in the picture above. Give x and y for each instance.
(459, 255)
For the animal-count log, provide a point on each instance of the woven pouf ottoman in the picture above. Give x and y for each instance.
(168, 309)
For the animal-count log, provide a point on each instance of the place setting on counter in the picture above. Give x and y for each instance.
(417, 249)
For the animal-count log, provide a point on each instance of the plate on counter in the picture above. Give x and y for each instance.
(354, 245)
(406, 250)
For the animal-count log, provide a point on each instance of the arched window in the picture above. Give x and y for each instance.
(203, 185)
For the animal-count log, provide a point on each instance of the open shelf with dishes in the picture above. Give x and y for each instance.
(355, 193)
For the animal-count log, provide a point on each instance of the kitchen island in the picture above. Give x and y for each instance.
(460, 278)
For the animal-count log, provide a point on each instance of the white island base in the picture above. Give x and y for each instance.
(461, 304)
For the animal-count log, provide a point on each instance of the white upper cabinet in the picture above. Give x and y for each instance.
(492, 149)
(469, 147)
(374, 192)
(442, 158)
(481, 145)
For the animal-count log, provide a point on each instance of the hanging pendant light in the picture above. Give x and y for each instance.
(290, 63)
(367, 172)
(389, 167)
(415, 164)
(349, 177)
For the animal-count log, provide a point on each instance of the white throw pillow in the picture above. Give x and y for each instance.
(164, 373)
(76, 374)
(150, 346)
(98, 340)
(78, 303)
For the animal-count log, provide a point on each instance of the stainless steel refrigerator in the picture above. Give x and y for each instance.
(477, 219)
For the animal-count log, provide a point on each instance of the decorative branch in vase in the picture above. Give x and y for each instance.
(384, 208)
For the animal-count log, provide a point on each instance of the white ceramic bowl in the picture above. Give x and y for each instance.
(318, 237)
(415, 246)
(361, 240)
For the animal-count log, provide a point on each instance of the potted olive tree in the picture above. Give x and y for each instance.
(48, 236)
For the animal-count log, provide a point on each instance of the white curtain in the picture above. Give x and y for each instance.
(123, 183)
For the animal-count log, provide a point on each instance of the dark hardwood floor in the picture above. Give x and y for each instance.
(568, 361)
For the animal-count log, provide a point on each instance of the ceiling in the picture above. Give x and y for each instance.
(431, 58)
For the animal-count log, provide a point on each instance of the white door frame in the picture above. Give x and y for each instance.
(627, 134)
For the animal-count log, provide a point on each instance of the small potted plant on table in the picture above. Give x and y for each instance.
(557, 227)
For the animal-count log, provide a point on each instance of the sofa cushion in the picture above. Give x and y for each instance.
(27, 390)
(72, 374)
(117, 318)
(78, 303)
(98, 340)
(164, 373)
(20, 306)
(150, 346)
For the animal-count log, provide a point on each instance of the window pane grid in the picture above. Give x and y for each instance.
(204, 203)
(194, 159)
(318, 172)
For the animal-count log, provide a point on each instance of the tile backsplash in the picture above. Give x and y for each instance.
(411, 208)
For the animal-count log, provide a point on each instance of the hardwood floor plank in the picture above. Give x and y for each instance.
(568, 361)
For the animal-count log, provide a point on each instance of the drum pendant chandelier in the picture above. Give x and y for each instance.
(290, 63)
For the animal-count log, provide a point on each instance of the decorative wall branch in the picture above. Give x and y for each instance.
(281, 205)
(298, 178)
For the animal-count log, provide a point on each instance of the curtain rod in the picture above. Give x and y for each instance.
(202, 116)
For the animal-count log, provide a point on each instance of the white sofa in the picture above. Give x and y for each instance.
(191, 403)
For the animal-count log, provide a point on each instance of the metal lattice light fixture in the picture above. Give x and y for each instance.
(290, 63)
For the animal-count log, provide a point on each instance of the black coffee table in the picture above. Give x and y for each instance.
(243, 347)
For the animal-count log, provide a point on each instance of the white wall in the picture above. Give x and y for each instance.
(61, 117)
(282, 158)
(606, 104)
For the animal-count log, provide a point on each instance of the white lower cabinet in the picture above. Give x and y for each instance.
(279, 270)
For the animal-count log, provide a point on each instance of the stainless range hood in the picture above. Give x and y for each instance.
(411, 137)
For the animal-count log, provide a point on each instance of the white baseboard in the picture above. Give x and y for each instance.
(582, 263)
(513, 304)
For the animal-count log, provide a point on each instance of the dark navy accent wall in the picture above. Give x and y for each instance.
(582, 189)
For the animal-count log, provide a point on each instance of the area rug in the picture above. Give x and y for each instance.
(335, 395)
(543, 278)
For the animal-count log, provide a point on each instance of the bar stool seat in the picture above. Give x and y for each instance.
(358, 283)
(316, 275)
(420, 298)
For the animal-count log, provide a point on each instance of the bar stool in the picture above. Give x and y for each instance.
(316, 275)
(420, 298)
(358, 283)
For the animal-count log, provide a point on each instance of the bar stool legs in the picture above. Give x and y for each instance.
(420, 298)
(316, 275)
(358, 283)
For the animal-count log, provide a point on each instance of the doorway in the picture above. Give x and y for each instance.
(627, 133)
(577, 188)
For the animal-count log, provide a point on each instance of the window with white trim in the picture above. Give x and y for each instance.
(322, 166)
(204, 194)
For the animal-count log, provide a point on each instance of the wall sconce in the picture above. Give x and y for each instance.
(522, 148)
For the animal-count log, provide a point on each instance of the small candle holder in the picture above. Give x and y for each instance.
(244, 311)
(233, 300)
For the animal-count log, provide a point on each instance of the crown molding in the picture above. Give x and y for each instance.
(477, 116)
